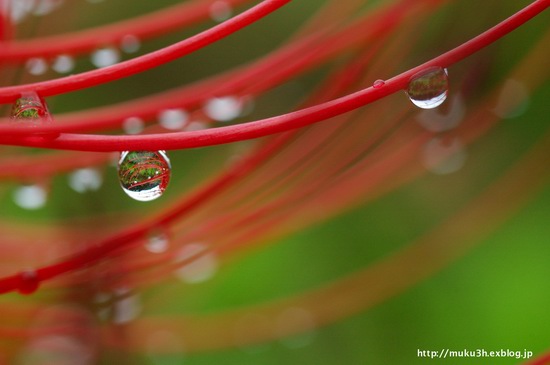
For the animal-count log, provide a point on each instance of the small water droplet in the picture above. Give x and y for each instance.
(30, 197)
(30, 107)
(199, 269)
(36, 66)
(134, 169)
(428, 89)
(130, 43)
(104, 57)
(28, 282)
(513, 100)
(378, 84)
(173, 119)
(438, 120)
(133, 125)
(223, 109)
(63, 63)
(157, 242)
(444, 156)
(87, 179)
(220, 11)
(45, 7)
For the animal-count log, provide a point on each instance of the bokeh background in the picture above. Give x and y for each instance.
(426, 265)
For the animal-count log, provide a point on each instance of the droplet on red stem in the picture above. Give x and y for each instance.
(428, 89)
(144, 175)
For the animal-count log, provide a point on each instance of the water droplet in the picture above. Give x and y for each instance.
(199, 269)
(435, 120)
(157, 242)
(133, 125)
(126, 309)
(513, 100)
(30, 107)
(45, 7)
(223, 109)
(173, 119)
(295, 327)
(220, 11)
(28, 282)
(36, 66)
(130, 43)
(428, 89)
(87, 179)
(196, 125)
(134, 169)
(378, 84)
(104, 57)
(30, 197)
(444, 156)
(63, 63)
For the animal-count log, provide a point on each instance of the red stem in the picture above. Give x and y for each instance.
(145, 62)
(282, 123)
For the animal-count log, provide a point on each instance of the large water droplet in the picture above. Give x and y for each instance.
(428, 89)
(28, 282)
(144, 175)
(104, 57)
(30, 107)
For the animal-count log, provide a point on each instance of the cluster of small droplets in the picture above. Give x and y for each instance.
(144, 175)
(428, 89)
(30, 107)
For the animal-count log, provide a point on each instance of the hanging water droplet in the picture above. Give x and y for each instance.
(378, 84)
(428, 89)
(28, 282)
(87, 179)
(30, 107)
(223, 109)
(104, 57)
(144, 175)
(30, 197)
(220, 11)
(133, 125)
(63, 63)
(157, 242)
(173, 119)
(36, 66)
(130, 43)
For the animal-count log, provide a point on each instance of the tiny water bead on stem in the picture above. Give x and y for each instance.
(28, 282)
(428, 89)
(144, 175)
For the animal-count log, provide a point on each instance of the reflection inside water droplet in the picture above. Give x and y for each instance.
(428, 89)
(144, 175)
(30, 107)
